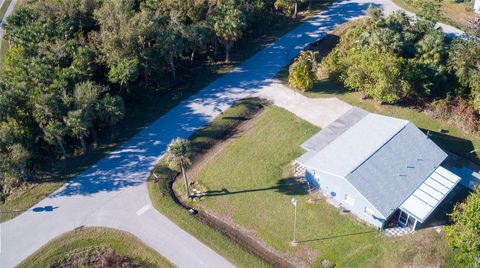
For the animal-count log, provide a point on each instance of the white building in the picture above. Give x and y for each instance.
(384, 170)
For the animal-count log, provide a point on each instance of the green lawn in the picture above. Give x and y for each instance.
(54, 174)
(85, 241)
(163, 202)
(251, 184)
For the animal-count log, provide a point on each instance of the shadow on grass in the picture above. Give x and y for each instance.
(288, 186)
(328, 87)
(456, 145)
(335, 236)
(440, 214)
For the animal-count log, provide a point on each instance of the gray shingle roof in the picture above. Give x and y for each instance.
(350, 149)
(397, 169)
(384, 158)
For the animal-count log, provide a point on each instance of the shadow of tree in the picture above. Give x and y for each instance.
(288, 186)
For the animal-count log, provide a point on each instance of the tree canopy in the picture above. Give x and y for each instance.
(394, 59)
(75, 67)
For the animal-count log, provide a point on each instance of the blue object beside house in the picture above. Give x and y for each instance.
(383, 169)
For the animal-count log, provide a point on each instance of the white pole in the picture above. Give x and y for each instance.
(294, 241)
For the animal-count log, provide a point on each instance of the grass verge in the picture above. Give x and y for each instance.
(163, 202)
(250, 183)
(4, 8)
(84, 241)
(54, 174)
(459, 15)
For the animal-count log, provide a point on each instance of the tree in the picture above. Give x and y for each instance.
(111, 109)
(78, 125)
(118, 39)
(19, 157)
(124, 71)
(54, 134)
(289, 6)
(178, 156)
(378, 75)
(229, 22)
(431, 48)
(302, 71)
(464, 234)
(464, 61)
(86, 97)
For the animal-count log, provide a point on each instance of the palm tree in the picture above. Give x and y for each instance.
(179, 154)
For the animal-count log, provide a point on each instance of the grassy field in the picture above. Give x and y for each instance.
(251, 184)
(55, 173)
(84, 241)
(163, 202)
(459, 15)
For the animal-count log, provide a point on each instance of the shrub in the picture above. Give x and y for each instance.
(302, 72)
(464, 234)
(378, 75)
(458, 112)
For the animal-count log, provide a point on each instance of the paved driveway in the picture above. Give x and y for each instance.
(113, 192)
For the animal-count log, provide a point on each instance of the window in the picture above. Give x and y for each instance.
(349, 200)
(369, 211)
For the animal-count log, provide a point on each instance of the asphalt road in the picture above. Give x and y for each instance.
(113, 192)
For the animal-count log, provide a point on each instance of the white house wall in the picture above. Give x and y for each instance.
(337, 188)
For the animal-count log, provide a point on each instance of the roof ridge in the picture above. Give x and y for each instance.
(380, 147)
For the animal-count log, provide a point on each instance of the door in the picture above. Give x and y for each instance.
(411, 222)
(403, 218)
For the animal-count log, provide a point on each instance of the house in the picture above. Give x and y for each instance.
(382, 169)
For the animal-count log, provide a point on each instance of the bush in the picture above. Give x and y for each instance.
(464, 234)
(302, 72)
(378, 75)
(458, 112)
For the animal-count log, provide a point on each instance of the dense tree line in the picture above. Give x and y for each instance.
(395, 60)
(73, 66)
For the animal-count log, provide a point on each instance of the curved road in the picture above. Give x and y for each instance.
(113, 192)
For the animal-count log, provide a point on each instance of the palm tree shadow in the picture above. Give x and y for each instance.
(336, 236)
(288, 186)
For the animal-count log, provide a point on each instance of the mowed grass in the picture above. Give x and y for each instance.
(452, 139)
(163, 202)
(251, 184)
(86, 240)
(56, 172)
